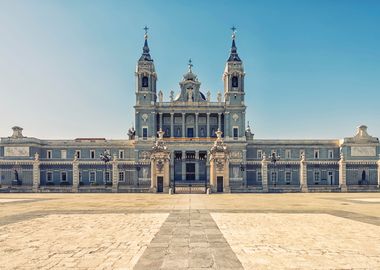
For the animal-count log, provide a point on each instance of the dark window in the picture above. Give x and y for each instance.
(236, 133)
(144, 81)
(235, 81)
(92, 154)
(145, 133)
(49, 177)
(63, 177)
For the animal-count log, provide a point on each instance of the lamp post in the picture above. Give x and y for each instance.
(105, 157)
(138, 174)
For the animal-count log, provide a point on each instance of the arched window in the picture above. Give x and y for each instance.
(235, 81)
(144, 81)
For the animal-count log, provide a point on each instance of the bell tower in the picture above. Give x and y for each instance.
(233, 76)
(146, 78)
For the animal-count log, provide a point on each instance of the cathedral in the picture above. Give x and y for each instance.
(189, 143)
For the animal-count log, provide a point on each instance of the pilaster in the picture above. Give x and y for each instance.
(115, 174)
(75, 174)
(196, 125)
(208, 125)
(303, 174)
(342, 174)
(264, 173)
(36, 173)
(183, 125)
(171, 125)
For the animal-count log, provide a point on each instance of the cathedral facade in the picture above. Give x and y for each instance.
(189, 143)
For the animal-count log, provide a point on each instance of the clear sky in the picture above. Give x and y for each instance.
(67, 67)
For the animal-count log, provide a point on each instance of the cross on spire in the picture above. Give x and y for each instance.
(233, 28)
(146, 31)
(190, 64)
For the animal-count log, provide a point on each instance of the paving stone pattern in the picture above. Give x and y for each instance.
(189, 240)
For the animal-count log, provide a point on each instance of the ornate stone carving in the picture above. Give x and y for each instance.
(17, 133)
(361, 136)
(219, 97)
(144, 117)
(235, 117)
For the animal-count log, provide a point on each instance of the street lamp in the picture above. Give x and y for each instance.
(105, 157)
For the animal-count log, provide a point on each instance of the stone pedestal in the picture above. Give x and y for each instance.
(303, 175)
(342, 174)
(36, 173)
(219, 166)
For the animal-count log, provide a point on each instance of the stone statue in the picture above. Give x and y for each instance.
(131, 133)
(171, 96)
(208, 96)
(219, 97)
(160, 96)
(36, 157)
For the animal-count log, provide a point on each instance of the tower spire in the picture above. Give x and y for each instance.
(233, 54)
(146, 55)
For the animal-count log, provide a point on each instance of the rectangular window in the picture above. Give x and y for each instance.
(92, 177)
(316, 154)
(63, 154)
(145, 133)
(331, 154)
(330, 178)
(288, 154)
(316, 177)
(63, 176)
(49, 154)
(77, 153)
(49, 177)
(259, 154)
(259, 177)
(121, 177)
(288, 177)
(236, 133)
(121, 154)
(92, 154)
(107, 176)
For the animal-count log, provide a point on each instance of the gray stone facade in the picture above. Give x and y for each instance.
(189, 121)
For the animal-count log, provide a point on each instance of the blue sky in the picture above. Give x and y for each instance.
(67, 67)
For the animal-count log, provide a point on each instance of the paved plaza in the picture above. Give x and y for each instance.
(219, 231)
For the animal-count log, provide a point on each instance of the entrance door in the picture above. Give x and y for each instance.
(160, 184)
(190, 171)
(219, 183)
(190, 132)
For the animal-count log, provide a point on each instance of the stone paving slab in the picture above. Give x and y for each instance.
(189, 240)
(78, 241)
(300, 241)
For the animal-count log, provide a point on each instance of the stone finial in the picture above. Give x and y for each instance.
(17, 132)
(171, 96)
(160, 134)
(218, 134)
(36, 157)
(208, 96)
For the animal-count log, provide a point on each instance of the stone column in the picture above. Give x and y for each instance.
(342, 174)
(196, 125)
(264, 173)
(197, 165)
(303, 174)
(378, 173)
(36, 173)
(153, 127)
(208, 125)
(115, 174)
(153, 177)
(219, 121)
(75, 174)
(183, 165)
(171, 125)
(160, 121)
(183, 125)
(244, 173)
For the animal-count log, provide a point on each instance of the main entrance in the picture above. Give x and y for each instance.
(160, 184)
